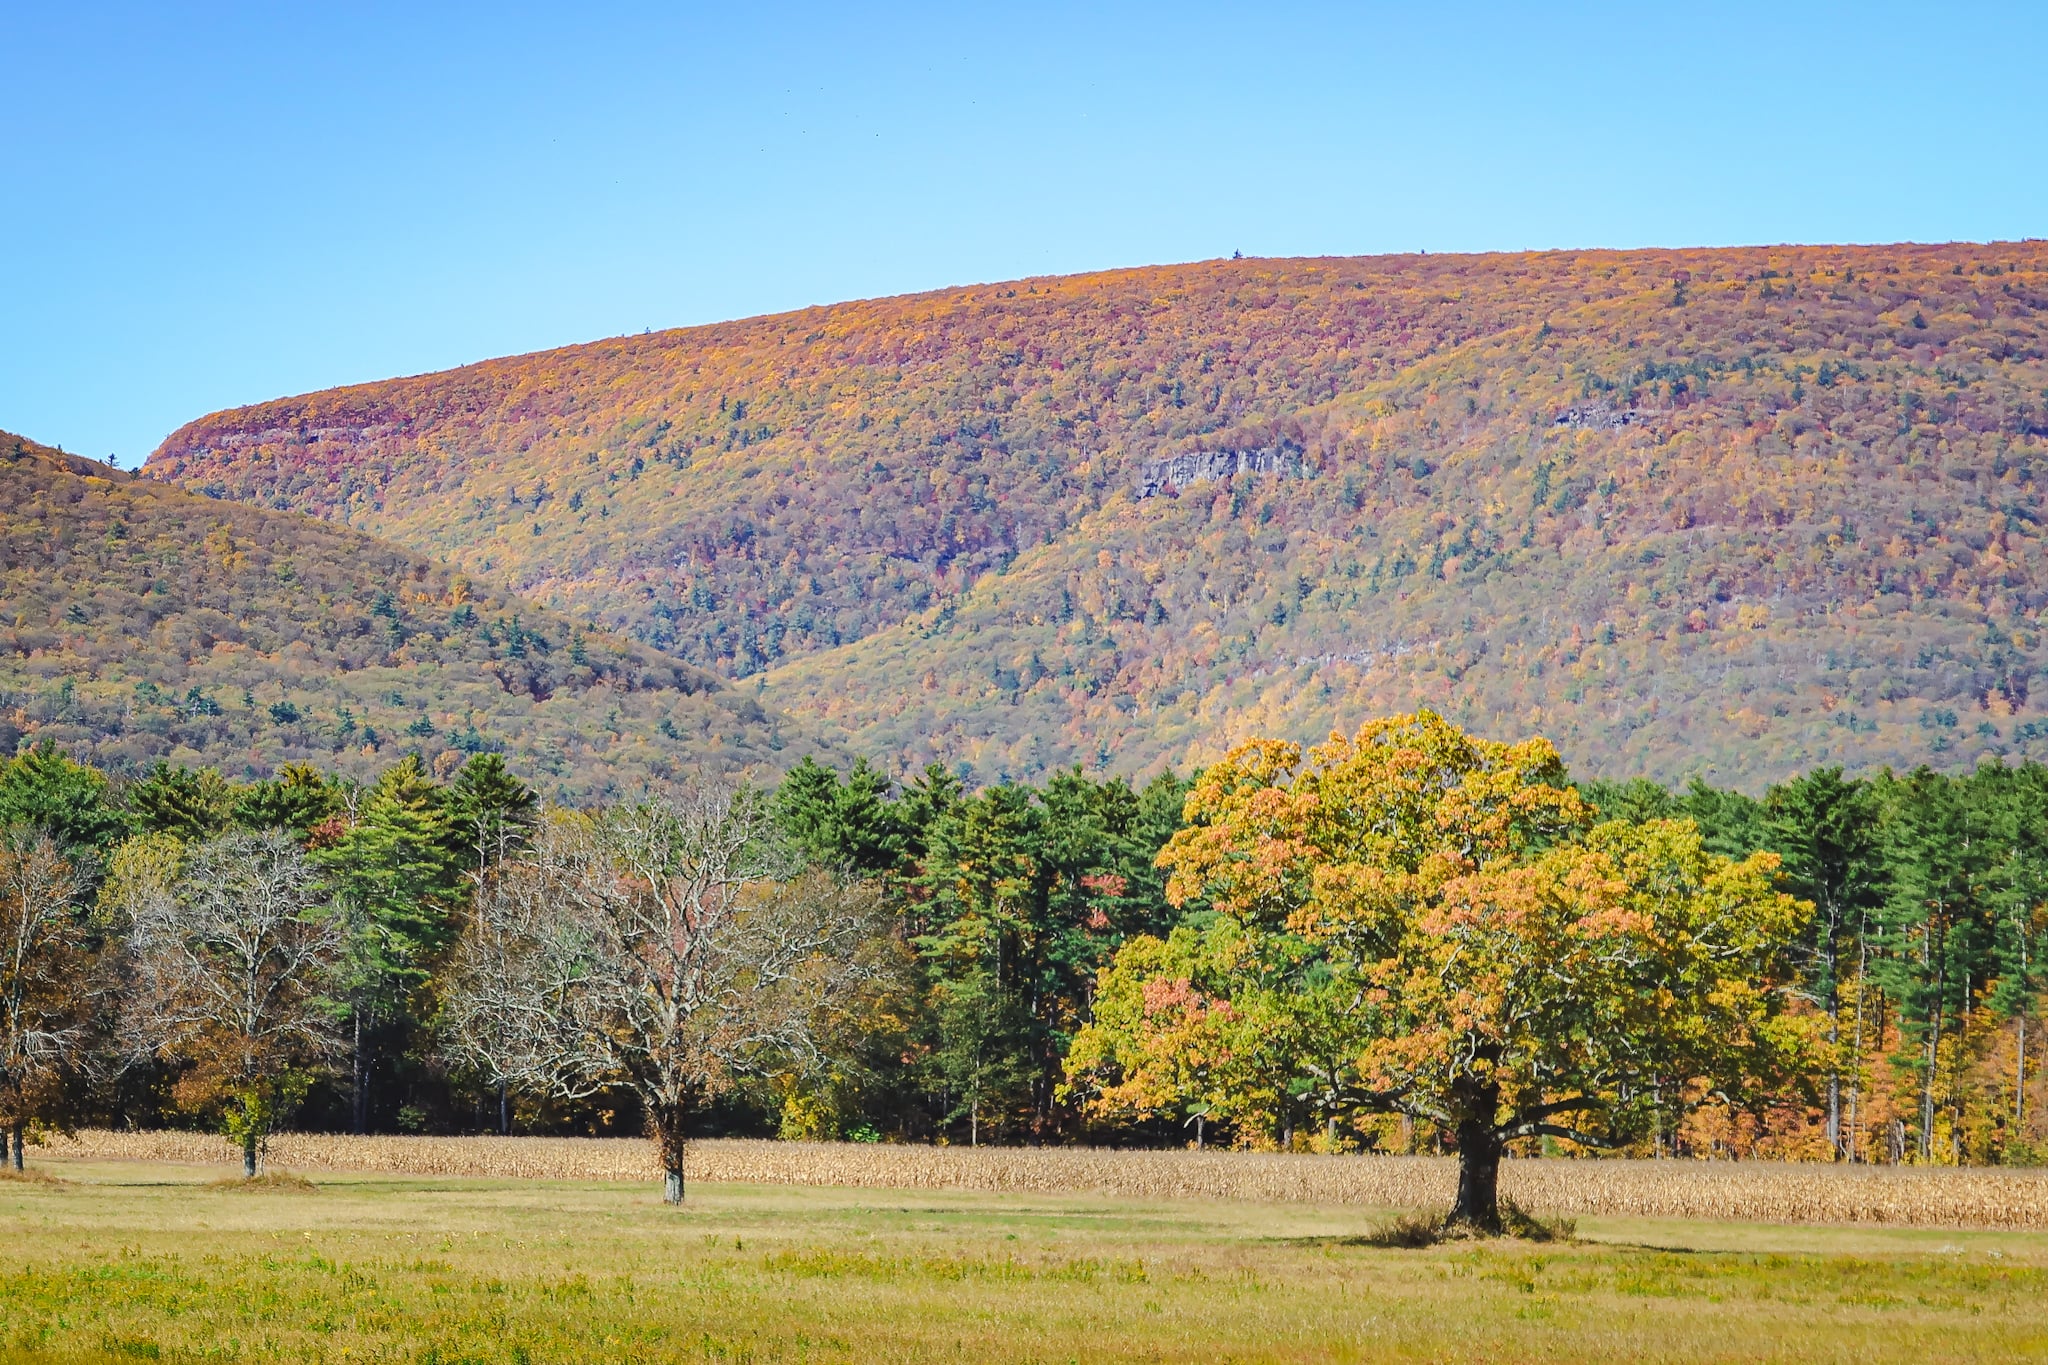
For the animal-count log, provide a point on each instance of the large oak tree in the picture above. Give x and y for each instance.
(1413, 921)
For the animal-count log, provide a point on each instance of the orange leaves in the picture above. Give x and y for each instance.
(1177, 995)
(1440, 913)
(1373, 823)
(1530, 491)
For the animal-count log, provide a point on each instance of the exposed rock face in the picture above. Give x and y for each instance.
(1597, 417)
(1178, 471)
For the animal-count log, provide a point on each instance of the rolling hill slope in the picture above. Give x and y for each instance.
(1722, 512)
(139, 621)
(753, 491)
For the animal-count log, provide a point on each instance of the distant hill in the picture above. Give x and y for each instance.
(139, 621)
(1726, 512)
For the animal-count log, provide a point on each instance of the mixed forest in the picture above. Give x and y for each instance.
(142, 623)
(1223, 960)
(1729, 513)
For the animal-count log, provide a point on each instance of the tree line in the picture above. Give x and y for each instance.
(1253, 956)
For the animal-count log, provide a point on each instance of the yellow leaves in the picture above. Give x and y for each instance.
(220, 548)
(1483, 929)
(1372, 821)
(1749, 722)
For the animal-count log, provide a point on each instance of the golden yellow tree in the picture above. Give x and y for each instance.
(1479, 953)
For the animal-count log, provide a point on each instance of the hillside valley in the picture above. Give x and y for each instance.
(144, 622)
(1728, 513)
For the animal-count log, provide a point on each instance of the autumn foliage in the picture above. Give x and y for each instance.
(1418, 923)
(1735, 513)
(145, 623)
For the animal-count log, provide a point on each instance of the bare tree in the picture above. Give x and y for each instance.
(45, 999)
(230, 952)
(498, 1007)
(653, 948)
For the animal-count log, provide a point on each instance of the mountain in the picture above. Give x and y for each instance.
(1730, 513)
(139, 621)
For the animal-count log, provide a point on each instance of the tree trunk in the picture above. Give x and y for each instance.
(1939, 963)
(359, 1100)
(249, 1157)
(667, 1119)
(504, 1111)
(2019, 1080)
(1478, 1206)
(1934, 1061)
(1856, 1075)
(1834, 1008)
(1834, 1103)
(15, 1139)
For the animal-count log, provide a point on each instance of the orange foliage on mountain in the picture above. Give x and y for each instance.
(1732, 512)
(141, 622)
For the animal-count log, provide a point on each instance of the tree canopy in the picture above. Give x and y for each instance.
(1443, 932)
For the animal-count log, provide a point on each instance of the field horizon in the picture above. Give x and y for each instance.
(1786, 1192)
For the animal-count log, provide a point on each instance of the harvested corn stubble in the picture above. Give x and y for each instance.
(1747, 1190)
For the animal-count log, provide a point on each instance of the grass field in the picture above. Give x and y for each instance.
(128, 1260)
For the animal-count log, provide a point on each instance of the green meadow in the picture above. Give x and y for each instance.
(127, 1261)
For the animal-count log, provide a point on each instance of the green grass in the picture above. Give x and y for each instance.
(127, 1262)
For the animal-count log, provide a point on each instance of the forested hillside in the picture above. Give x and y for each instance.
(142, 622)
(1732, 513)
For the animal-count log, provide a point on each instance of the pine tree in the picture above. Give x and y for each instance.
(1825, 829)
(395, 876)
(843, 825)
(183, 803)
(985, 884)
(297, 800)
(489, 811)
(1934, 922)
(42, 789)
(1731, 824)
(2020, 910)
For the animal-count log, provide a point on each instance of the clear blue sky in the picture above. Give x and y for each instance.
(213, 204)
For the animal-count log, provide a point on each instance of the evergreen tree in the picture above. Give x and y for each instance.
(2019, 890)
(1934, 922)
(186, 804)
(396, 877)
(1024, 895)
(1731, 824)
(297, 800)
(976, 1059)
(42, 789)
(925, 799)
(1637, 799)
(1825, 829)
(489, 811)
(843, 825)
(984, 885)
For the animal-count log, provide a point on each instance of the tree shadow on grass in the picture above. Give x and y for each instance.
(280, 1182)
(1412, 1232)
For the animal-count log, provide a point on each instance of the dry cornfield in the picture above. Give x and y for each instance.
(1747, 1191)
